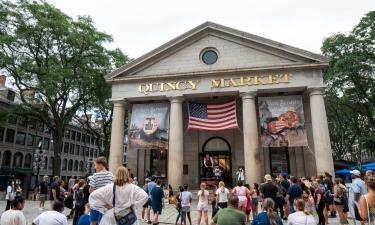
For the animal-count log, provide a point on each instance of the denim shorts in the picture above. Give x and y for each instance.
(95, 215)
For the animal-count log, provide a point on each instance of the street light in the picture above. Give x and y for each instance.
(38, 162)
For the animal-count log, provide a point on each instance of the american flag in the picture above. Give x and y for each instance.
(212, 116)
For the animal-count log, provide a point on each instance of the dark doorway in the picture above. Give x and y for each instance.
(158, 164)
(219, 149)
(279, 160)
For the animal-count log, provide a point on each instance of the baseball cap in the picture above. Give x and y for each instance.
(268, 177)
(356, 172)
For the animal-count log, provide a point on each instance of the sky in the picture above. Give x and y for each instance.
(140, 26)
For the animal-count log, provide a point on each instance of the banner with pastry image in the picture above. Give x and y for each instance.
(282, 121)
(149, 126)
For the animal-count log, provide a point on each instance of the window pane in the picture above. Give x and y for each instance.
(71, 149)
(83, 137)
(37, 140)
(10, 136)
(20, 138)
(67, 134)
(77, 150)
(66, 147)
(30, 140)
(2, 130)
(73, 135)
(46, 142)
(78, 136)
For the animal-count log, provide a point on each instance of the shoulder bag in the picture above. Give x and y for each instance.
(125, 216)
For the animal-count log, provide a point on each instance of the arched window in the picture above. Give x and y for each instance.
(28, 161)
(81, 166)
(216, 144)
(7, 157)
(51, 162)
(76, 165)
(17, 160)
(70, 165)
(65, 164)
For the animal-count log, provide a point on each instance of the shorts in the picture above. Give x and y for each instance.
(147, 204)
(185, 209)
(255, 201)
(222, 205)
(242, 202)
(202, 207)
(95, 216)
(42, 197)
(157, 210)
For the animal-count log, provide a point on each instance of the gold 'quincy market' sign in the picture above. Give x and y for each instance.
(215, 83)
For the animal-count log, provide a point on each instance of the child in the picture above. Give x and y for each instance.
(85, 218)
(203, 199)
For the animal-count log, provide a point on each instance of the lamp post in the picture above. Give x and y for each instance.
(38, 162)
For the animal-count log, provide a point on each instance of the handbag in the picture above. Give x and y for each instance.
(125, 216)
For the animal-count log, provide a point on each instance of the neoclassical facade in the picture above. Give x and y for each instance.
(214, 63)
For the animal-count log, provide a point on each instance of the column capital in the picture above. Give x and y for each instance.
(119, 102)
(248, 95)
(315, 91)
(176, 99)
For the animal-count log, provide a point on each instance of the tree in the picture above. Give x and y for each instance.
(102, 108)
(59, 59)
(351, 89)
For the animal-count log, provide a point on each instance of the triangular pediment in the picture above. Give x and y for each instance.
(236, 50)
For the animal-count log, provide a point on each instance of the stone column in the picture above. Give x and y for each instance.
(176, 143)
(322, 144)
(250, 138)
(116, 154)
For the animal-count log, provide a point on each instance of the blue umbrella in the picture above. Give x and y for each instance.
(368, 165)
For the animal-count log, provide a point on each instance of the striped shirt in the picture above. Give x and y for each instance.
(101, 179)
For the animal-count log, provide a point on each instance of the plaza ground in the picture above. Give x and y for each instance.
(168, 217)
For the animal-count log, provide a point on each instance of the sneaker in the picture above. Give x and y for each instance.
(149, 222)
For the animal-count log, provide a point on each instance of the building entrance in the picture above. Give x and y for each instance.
(216, 153)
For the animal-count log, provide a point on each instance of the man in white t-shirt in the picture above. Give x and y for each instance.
(9, 196)
(14, 216)
(52, 217)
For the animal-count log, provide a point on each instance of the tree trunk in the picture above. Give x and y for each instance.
(57, 149)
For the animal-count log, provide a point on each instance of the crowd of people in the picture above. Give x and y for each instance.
(106, 198)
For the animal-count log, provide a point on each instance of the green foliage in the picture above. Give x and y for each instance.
(351, 89)
(60, 59)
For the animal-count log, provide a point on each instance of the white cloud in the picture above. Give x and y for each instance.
(142, 25)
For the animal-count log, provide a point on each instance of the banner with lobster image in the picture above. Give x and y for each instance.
(282, 121)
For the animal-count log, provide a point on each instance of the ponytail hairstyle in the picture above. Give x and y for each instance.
(268, 206)
(222, 186)
(203, 187)
(300, 206)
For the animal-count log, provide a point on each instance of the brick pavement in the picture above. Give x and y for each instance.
(168, 217)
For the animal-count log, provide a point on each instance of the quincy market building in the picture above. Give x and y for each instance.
(277, 92)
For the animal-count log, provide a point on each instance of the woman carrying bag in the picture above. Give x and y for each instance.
(120, 197)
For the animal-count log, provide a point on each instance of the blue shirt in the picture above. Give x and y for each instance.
(358, 186)
(294, 191)
(262, 219)
(157, 196)
(150, 186)
(84, 220)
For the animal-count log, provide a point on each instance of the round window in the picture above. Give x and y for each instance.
(209, 57)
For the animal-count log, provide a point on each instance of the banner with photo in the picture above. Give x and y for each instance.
(282, 121)
(149, 126)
